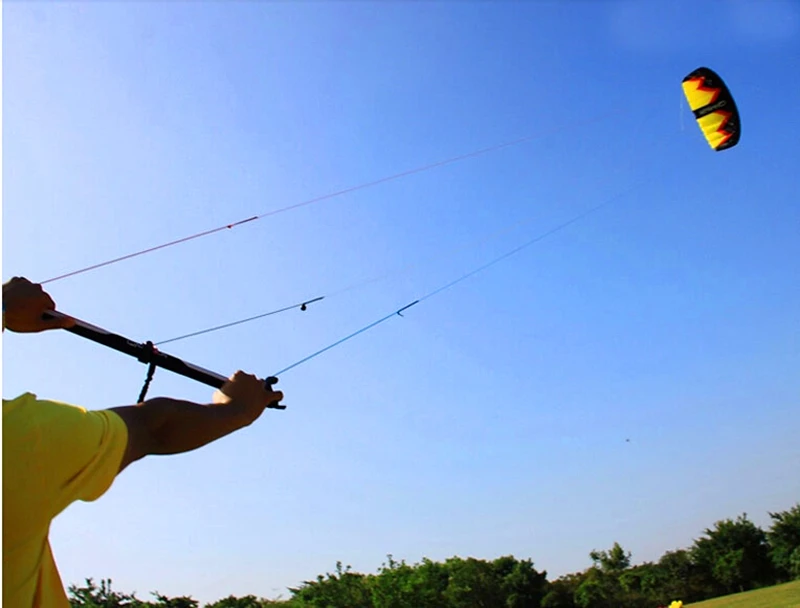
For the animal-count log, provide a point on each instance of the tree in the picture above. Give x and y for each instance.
(430, 581)
(399, 585)
(641, 586)
(794, 563)
(602, 585)
(784, 541)
(735, 554)
(561, 592)
(92, 596)
(520, 583)
(162, 601)
(342, 588)
(248, 601)
(676, 577)
(613, 562)
(473, 583)
(593, 593)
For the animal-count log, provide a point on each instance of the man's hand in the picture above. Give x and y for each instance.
(247, 392)
(24, 303)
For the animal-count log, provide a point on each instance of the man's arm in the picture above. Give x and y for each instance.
(170, 426)
(161, 425)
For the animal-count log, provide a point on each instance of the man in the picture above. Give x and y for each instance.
(55, 454)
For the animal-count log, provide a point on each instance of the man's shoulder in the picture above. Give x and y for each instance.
(18, 401)
(29, 405)
(80, 449)
(17, 407)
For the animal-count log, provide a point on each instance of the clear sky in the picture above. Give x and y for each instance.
(492, 419)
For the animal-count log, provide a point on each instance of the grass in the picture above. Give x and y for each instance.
(779, 596)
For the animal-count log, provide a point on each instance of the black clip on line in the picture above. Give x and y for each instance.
(149, 354)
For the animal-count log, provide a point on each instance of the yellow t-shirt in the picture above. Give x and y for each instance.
(53, 455)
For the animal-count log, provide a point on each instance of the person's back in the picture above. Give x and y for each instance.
(55, 453)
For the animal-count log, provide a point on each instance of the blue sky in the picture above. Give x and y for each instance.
(492, 419)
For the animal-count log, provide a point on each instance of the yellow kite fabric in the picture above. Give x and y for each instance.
(713, 108)
(53, 455)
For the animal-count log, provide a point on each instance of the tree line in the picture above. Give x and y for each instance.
(732, 556)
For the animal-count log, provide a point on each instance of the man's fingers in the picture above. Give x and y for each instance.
(268, 384)
(66, 322)
(60, 320)
(49, 304)
(251, 389)
(239, 375)
(52, 324)
(58, 323)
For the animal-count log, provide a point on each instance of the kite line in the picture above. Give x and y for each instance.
(331, 195)
(148, 353)
(301, 306)
(407, 267)
(464, 277)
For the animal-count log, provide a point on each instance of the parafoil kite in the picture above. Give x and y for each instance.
(713, 107)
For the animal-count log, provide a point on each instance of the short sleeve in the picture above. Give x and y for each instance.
(85, 450)
(68, 452)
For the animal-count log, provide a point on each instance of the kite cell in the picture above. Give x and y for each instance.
(713, 107)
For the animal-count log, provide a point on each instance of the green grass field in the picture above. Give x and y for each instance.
(780, 596)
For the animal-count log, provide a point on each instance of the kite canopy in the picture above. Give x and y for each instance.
(713, 107)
